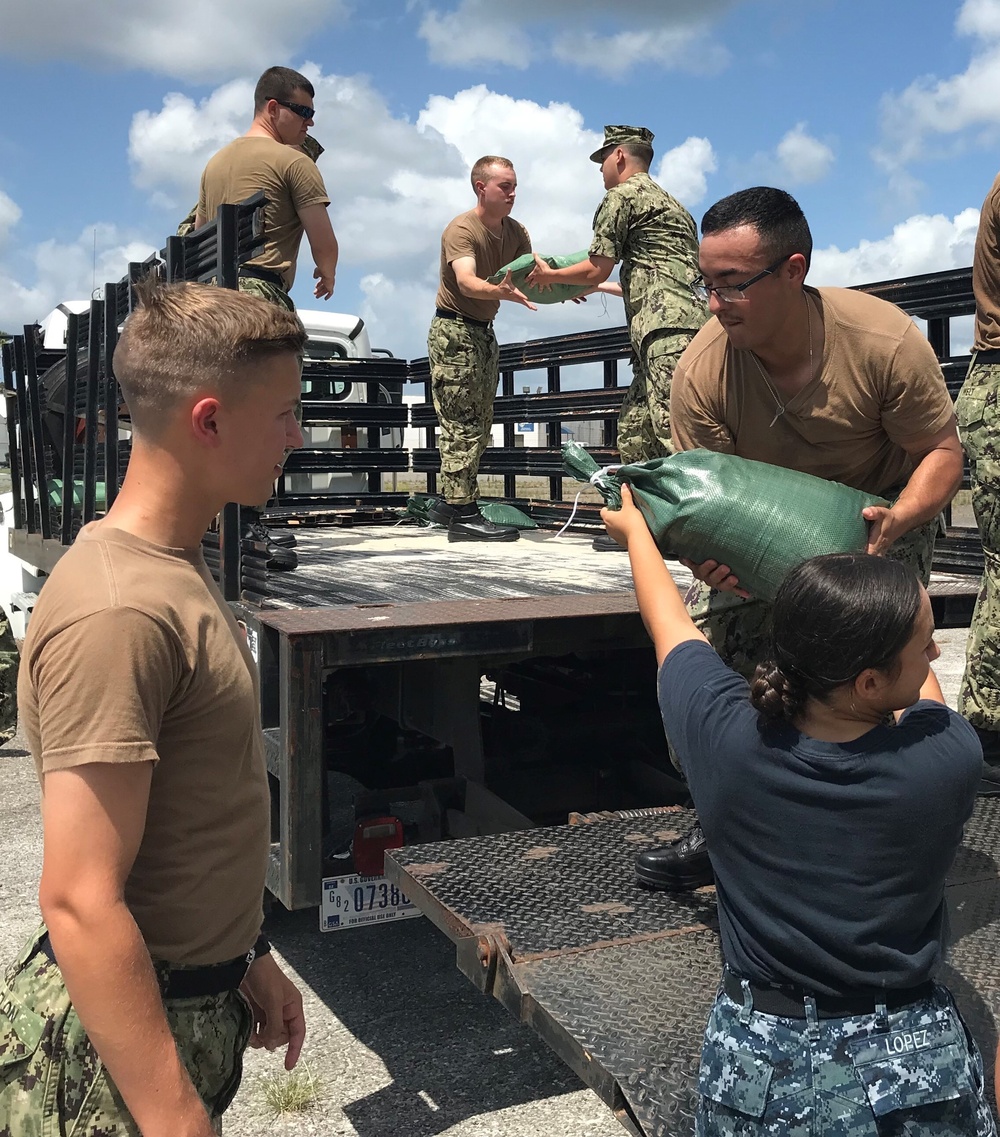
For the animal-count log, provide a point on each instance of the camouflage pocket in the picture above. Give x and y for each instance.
(970, 406)
(912, 1067)
(737, 1079)
(21, 1030)
(985, 495)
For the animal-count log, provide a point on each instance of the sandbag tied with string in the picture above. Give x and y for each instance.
(522, 266)
(759, 519)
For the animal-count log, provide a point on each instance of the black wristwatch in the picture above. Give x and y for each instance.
(261, 947)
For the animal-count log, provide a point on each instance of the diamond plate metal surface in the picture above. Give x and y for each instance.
(619, 980)
(552, 889)
(638, 1011)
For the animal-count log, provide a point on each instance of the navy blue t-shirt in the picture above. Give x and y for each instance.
(830, 858)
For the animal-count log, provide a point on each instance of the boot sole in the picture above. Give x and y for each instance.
(684, 878)
(496, 538)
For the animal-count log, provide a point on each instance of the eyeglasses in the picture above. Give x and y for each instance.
(302, 111)
(732, 293)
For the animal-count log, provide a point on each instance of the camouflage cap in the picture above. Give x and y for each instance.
(618, 135)
(310, 146)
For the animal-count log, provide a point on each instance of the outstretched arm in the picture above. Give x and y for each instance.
(593, 271)
(660, 604)
(471, 284)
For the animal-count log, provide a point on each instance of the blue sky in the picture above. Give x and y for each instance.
(885, 126)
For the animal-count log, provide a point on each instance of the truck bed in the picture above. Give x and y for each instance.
(403, 564)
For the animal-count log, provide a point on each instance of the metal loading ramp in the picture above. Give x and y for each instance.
(618, 980)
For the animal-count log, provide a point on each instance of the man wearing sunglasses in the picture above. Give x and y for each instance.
(829, 381)
(272, 157)
(278, 156)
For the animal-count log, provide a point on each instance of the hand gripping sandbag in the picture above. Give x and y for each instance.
(759, 519)
(520, 268)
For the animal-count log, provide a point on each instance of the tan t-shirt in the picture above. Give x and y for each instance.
(290, 181)
(467, 236)
(132, 655)
(880, 385)
(986, 272)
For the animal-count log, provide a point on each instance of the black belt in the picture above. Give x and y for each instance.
(186, 982)
(789, 1002)
(264, 274)
(991, 356)
(447, 314)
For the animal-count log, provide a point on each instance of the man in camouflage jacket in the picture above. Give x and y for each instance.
(654, 237)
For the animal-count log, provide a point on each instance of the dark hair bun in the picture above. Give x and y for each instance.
(776, 697)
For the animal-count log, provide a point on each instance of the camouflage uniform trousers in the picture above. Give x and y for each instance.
(916, 1072)
(644, 417)
(740, 630)
(979, 425)
(10, 660)
(464, 363)
(52, 1083)
(263, 290)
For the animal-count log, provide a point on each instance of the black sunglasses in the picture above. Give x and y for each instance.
(302, 111)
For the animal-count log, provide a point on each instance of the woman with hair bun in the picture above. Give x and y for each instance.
(833, 792)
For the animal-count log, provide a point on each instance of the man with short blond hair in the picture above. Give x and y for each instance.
(481, 170)
(128, 1012)
(462, 349)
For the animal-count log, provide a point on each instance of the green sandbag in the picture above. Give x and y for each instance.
(759, 519)
(416, 508)
(520, 268)
(55, 493)
(500, 513)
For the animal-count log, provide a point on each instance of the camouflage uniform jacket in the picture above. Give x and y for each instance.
(654, 236)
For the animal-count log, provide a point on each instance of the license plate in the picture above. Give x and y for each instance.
(354, 901)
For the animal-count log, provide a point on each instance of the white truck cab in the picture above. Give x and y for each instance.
(332, 336)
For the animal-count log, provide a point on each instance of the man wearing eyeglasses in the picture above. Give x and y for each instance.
(270, 157)
(654, 237)
(829, 381)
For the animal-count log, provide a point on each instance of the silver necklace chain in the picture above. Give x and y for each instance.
(767, 379)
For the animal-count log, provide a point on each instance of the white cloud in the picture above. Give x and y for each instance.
(190, 39)
(587, 34)
(803, 158)
(922, 243)
(558, 187)
(684, 169)
(797, 159)
(979, 18)
(65, 271)
(168, 149)
(10, 214)
(938, 107)
(678, 48)
(457, 41)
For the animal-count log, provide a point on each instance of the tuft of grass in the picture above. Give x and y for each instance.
(290, 1092)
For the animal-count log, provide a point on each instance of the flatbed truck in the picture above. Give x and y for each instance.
(450, 707)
